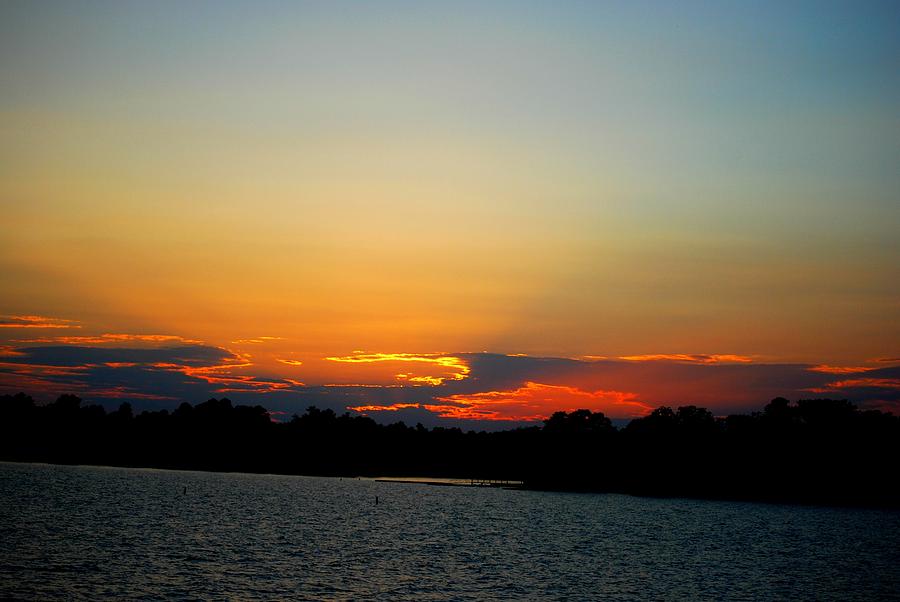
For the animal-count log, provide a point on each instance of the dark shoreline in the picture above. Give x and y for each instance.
(463, 483)
(812, 452)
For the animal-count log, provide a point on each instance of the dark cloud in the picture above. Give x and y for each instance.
(874, 389)
(492, 371)
(149, 377)
(742, 385)
(69, 355)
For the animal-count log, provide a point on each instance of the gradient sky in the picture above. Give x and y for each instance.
(273, 184)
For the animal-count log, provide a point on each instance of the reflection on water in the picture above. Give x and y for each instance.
(106, 532)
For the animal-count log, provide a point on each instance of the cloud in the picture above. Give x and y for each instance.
(360, 386)
(226, 380)
(860, 383)
(536, 401)
(456, 367)
(187, 372)
(879, 388)
(388, 408)
(493, 371)
(122, 392)
(528, 403)
(464, 389)
(724, 388)
(290, 362)
(695, 358)
(68, 355)
(36, 322)
(102, 339)
(428, 380)
(839, 369)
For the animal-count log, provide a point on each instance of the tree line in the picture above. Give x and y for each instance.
(811, 451)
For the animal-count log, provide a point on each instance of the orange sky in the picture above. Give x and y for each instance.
(307, 183)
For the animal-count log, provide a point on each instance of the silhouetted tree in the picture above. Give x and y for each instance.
(817, 450)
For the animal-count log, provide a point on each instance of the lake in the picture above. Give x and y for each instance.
(90, 532)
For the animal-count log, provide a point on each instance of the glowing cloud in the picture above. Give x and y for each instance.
(532, 401)
(390, 408)
(839, 369)
(45, 369)
(428, 380)
(359, 386)
(35, 322)
(113, 338)
(291, 362)
(855, 383)
(458, 367)
(227, 380)
(693, 358)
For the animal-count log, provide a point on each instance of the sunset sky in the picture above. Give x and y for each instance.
(457, 211)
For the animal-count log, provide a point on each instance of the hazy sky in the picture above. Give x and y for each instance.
(555, 179)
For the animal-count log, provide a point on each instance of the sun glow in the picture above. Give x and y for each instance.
(457, 368)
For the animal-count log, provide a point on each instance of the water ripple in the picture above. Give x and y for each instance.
(88, 533)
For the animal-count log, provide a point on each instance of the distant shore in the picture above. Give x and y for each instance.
(480, 483)
(818, 451)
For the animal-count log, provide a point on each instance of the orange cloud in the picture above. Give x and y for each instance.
(228, 381)
(852, 383)
(113, 338)
(291, 362)
(361, 386)
(222, 375)
(41, 377)
(839, 369)
(429, 380)
(257, 340)
(536, 401)
(18, 381)
(532, 401)
(390, 408)
(694, 358)
(457, 367)
(35, 322)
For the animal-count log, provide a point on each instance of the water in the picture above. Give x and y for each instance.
(87, 532)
